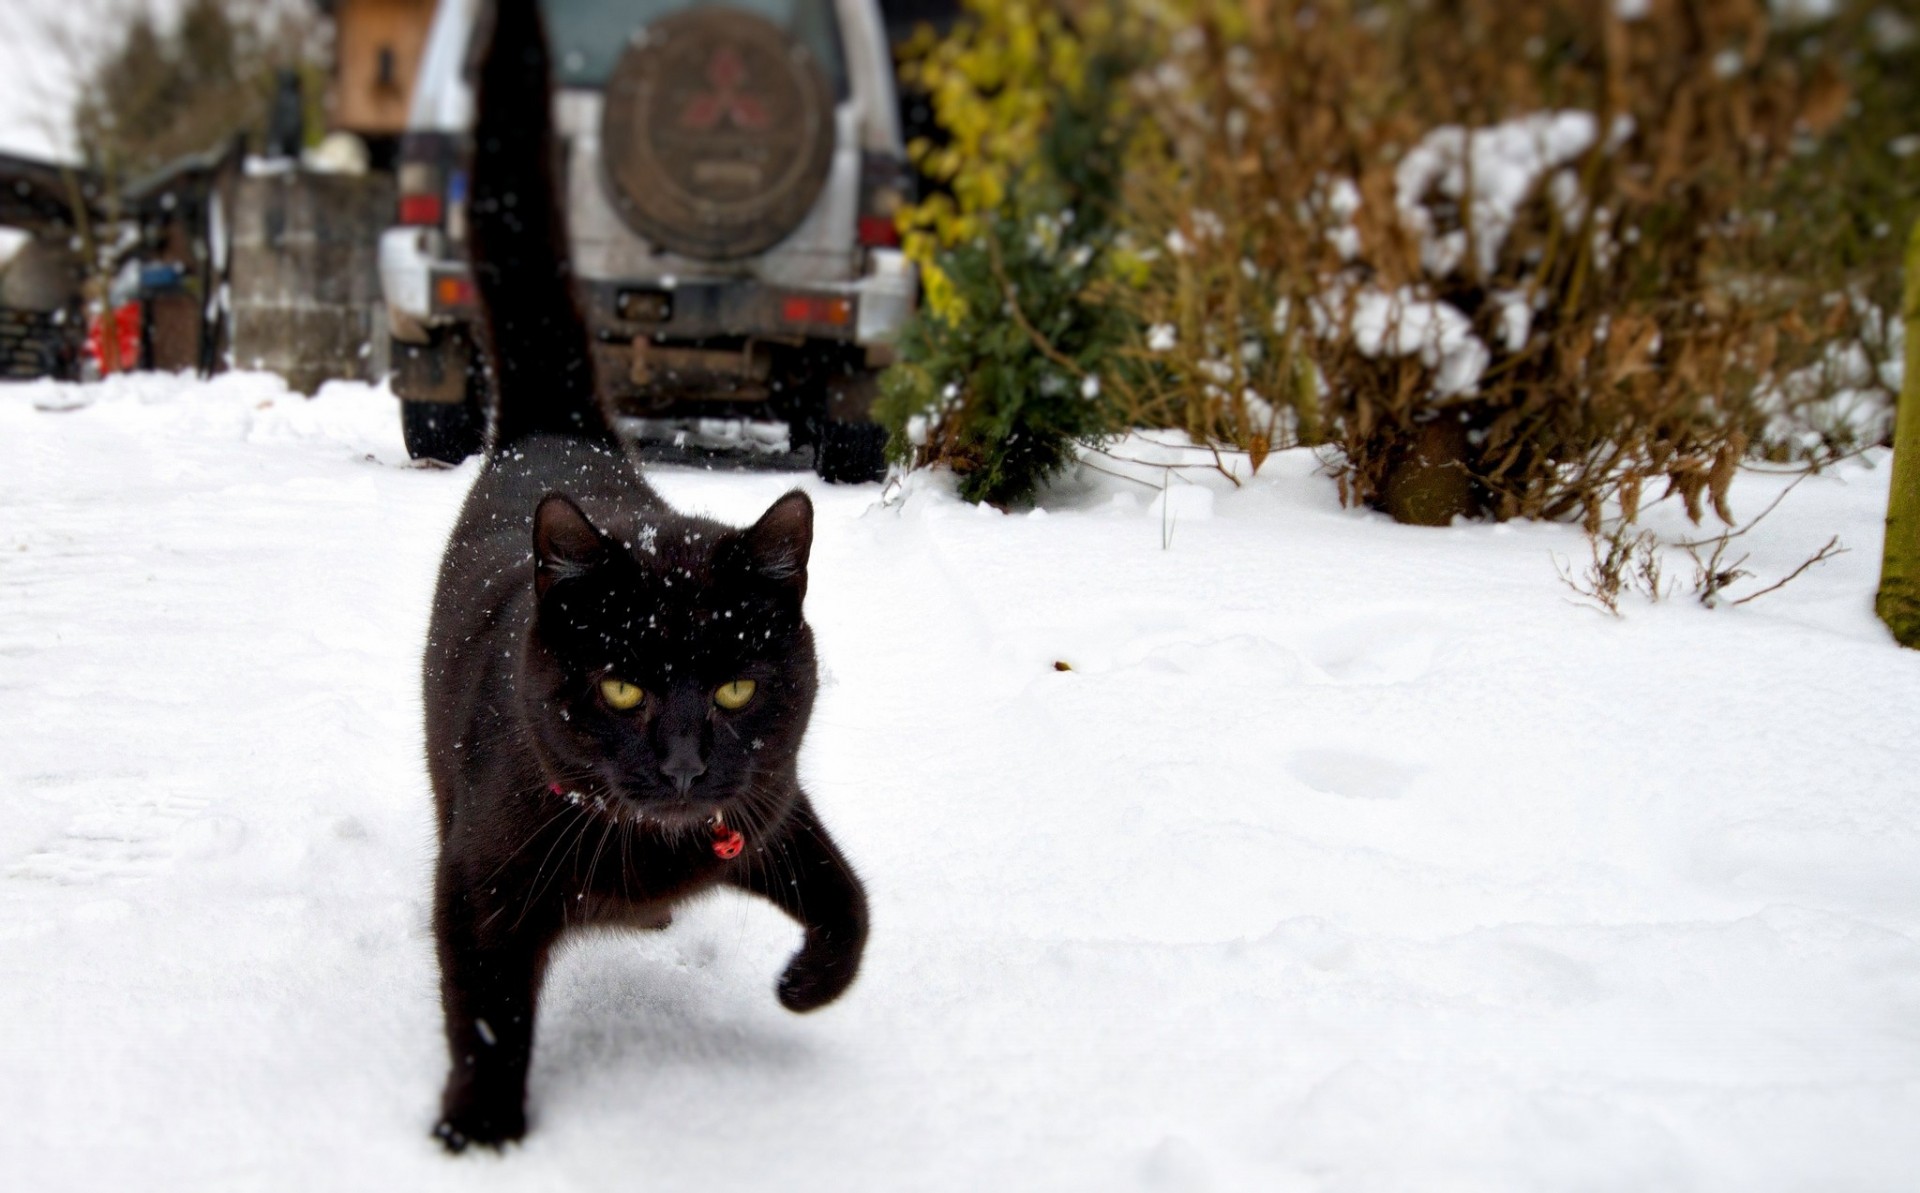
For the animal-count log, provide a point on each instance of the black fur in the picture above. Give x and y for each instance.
(565, 569)
(518, 242)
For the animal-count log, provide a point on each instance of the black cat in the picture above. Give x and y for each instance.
(615, 693)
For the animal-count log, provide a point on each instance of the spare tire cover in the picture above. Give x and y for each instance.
(717, 133)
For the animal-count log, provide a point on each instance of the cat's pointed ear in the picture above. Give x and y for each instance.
(778, 544)
(565, 544)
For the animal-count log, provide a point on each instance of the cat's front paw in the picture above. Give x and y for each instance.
(471, 1122)
(817, 975)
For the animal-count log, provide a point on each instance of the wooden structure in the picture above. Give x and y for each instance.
(40, 196)
(42, 318)
(377, 47)
(181, 214)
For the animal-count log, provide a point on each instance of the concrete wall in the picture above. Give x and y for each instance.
(305, 276)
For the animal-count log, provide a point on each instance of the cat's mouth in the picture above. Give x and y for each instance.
(687, 816)
(723, 839)
(704, 816)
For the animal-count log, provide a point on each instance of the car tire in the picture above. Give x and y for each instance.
(850, 453)
(445, 431)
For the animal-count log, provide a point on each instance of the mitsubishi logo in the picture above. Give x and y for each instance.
(726, 76)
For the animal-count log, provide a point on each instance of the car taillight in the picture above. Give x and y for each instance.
(885, 186)
(816, 308)
(453, 292)
(879, 232)
(421, 210)
(422, 179)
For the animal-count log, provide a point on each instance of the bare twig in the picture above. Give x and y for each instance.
(1120, 459)
(1596, 601)
(1085, 463)
(1147, 434)
(1710, 575)
(1825, 553)
(1167, 520)
(1620, 561)
(1755, 521)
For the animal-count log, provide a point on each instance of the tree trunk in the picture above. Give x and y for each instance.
(1899, 600)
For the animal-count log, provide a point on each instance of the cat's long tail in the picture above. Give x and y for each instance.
(538, 342)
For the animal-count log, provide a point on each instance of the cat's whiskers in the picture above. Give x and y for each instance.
(555, 844)
(594, 865)
(531, 838)
(770, 855)
(625, 848)
(579, 828)
(754, 821)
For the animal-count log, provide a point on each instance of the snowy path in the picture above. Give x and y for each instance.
(1347, 857)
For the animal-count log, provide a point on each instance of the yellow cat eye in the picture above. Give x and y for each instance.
(621, 695)
(734, 695)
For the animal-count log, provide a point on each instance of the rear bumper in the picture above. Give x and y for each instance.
(409, 258)
(425, 289)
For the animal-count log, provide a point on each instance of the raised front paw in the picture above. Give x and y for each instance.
(470, 1120)
(818, 974)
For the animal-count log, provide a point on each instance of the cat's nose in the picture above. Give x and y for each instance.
(683, 764)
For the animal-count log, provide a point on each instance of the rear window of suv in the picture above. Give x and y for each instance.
(590, 35)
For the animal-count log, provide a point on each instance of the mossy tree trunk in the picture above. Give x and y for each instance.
(1899, 600)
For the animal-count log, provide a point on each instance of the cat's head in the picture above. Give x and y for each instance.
(673, 674)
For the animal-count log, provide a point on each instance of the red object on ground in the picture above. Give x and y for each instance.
(125, 321)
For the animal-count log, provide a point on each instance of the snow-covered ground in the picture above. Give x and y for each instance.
(1347, 856)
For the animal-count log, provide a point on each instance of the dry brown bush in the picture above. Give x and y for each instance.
(1576, 328)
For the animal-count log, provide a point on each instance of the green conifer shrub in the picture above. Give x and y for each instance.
(1007, 367)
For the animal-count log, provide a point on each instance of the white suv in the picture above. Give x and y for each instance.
(731, 174)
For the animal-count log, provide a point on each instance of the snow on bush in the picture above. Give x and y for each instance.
(1401, 324)
(1489, 173)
